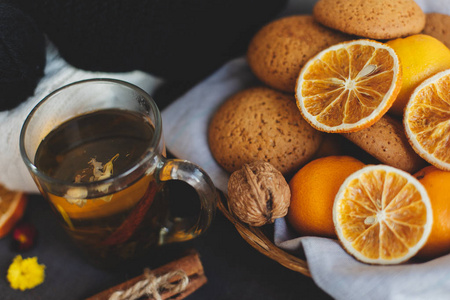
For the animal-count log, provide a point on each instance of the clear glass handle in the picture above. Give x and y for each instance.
(180, 229)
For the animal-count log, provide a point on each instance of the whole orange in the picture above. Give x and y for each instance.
(437, 185)
(313, 189)
(421, 56)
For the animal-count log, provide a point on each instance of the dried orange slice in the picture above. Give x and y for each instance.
(427, 120)
(349, 86)
(12, 207)
(382, 215)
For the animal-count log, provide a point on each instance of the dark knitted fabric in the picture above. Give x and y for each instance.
(173, 39)
(22, 56)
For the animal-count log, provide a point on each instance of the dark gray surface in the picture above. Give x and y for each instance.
(234, 269)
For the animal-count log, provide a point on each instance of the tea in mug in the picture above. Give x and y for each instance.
(97, 146)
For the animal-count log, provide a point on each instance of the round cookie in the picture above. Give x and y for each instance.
(386, 141)
(438, 26)
(278, 50)
(260, 123)
(375, 19)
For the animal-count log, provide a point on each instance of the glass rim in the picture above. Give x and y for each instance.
(121, 177)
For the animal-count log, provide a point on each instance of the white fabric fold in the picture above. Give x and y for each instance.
(185, 122)
(343, 277)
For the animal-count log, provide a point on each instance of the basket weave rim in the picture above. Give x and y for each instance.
(258, 240)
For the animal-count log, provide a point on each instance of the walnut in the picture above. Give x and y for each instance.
(258, 193)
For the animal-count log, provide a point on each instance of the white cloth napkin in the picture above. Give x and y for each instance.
(14, 174)
(185, 125)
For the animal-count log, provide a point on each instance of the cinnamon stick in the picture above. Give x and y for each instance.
(190, 264)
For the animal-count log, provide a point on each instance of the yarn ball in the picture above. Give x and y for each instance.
(171, 39)
(22, 56)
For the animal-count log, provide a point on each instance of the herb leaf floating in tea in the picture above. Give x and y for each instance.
(99, 172)
(102, 172)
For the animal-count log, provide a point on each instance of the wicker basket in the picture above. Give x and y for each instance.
(258, 240)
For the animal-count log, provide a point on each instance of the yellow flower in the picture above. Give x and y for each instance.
(25, 273)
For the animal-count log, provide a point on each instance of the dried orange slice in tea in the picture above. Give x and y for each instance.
(382, 215)
(427, 120)
(12, 207)
(349, 86)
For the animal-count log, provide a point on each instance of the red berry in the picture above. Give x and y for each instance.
(24, 236)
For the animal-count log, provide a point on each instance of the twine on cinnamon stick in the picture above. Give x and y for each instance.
(171, 272)
(152, 286)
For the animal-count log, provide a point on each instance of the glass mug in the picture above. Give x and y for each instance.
(95, 149)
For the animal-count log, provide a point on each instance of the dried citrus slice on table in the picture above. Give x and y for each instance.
(349, 86)
(427, 120)
(382, 215)
(12, 207)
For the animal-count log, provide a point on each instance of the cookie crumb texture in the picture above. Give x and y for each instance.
(278, 51)
(438, 26)
(376, 19)
(386, 141)
(260, 123)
